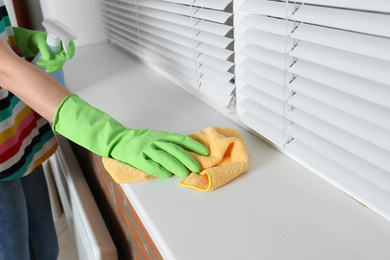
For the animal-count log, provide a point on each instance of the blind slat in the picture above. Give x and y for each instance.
(263, 99)
(267, 40)
(268, 72)
(199, 13)
(267, 86)
(373, 5)
(264, 113)
(267, 24)
(375, 47)
(374, 134)
(222, 65)
(357, 107)
(363, 169)
(350, 20)
(273, 58)
(274, 134)
(367, 67)
(354, 145)
(353, 85)
(214, 4)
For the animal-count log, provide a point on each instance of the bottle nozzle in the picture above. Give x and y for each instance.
(58, 31)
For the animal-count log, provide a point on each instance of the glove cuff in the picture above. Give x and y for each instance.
(56, 121)
(87, 126)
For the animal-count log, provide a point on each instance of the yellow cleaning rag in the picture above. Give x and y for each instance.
(228, 159)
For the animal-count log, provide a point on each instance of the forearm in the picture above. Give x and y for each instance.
(33, 86)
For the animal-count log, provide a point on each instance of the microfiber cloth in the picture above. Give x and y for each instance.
(228, 159)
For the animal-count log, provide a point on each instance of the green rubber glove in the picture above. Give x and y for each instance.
(154, 152)
(30, 43)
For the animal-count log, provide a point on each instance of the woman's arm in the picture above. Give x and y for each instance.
(33, 86)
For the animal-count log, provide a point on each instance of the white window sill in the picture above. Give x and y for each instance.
(276, 210)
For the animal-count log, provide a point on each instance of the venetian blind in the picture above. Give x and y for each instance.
(313, 76)
(190, 40)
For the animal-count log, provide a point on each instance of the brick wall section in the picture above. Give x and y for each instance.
(126, 229)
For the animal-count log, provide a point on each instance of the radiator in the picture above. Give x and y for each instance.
(82, 214)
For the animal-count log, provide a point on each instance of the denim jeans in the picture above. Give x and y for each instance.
(26, 224)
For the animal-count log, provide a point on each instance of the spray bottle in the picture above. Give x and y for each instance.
(56, 33)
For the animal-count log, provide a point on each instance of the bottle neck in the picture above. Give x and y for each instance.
(53, 43)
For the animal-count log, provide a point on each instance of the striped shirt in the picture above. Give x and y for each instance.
(26, 139)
